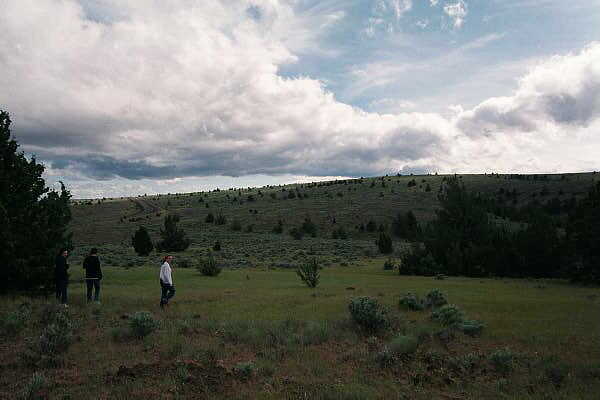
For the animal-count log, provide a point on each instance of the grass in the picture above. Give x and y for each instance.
(224, 322)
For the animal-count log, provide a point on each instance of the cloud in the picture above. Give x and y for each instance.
(457, 13)
(158, 91)
(557, 94)
(433, 3)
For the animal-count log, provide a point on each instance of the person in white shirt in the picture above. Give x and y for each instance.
(166, 282)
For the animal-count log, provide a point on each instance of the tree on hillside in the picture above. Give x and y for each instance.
(457, 236)
(583, 232)
(141, 242)
(33, 218)
(173, 238)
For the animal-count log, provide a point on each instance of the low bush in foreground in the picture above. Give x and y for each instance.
(141, 324)
(369, 314)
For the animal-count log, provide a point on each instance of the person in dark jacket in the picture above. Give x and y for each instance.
(61, 276)
(93, 274)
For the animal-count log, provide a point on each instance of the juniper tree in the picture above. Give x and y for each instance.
(173, 238)
(33, 218)
(141, 242)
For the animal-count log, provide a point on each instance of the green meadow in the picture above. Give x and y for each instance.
(216, 324)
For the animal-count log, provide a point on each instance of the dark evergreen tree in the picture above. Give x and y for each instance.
(583, 232)
(173, 238)
(141, 242)
(384, 243)
(33, 219)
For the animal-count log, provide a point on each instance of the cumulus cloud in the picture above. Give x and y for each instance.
(457, 13)
(158, 91)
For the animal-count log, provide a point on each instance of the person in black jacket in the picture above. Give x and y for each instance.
(61, 276)
(93, 275)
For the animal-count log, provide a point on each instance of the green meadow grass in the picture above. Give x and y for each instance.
(227, 316)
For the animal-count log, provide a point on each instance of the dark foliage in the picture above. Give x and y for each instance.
(583, 233)
(384, 243)
(173, 238)
(141, 242)
(33, 218)
(406, 226)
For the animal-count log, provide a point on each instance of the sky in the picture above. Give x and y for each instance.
(124, 97)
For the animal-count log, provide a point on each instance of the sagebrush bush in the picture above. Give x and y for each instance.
(208, 266)
(435, 298)
(14, 322)
(389, 265)
(448, 315)
(403, 345)
(471, 328)
(244, 370)
(412, 302)
(141, 324)
(32, 388)
(369, 314)
(309, 273)
(54, 340)
(502, 360)
(119, 334)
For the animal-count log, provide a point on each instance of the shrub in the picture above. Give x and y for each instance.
(15, 321)
(141, 324)
(448, 315)
(309, 273)
(53, 341)
(471, 327)
(119, 334)
(220, 220)
(210, 218)
(217, 246)
(403, 345)
(141, 242)
(209, 267)
(412, 302)
(435, 298)
(296, 233)
(33, 387)
(244, 370)
(502, 360)
(368, 314)
(385, 358)
(384, 243)
(389, 265)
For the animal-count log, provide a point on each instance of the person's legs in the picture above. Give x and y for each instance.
(57, 287)
(96, 289)
(63, 291)
(171, 292)
(89, 283)
(163, 294)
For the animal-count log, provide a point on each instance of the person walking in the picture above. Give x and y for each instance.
(61, 276)
(93, 275)
(166, 282)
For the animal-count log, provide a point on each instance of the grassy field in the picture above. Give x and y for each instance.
(255, 331)
(299, 343)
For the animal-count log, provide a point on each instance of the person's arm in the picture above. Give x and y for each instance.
(168, 275)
